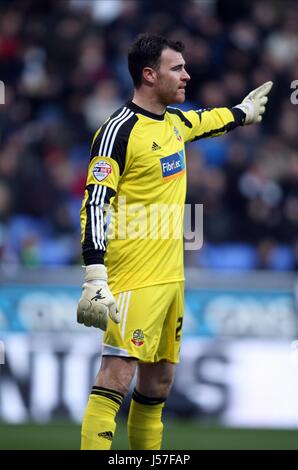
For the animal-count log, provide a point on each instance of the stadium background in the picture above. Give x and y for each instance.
(63, 64)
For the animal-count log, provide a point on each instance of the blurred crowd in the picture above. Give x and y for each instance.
(64, 66)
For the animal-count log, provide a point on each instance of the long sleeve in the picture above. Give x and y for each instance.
(201, 123)
(107, 163)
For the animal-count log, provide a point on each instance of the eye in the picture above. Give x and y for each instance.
(177, 68)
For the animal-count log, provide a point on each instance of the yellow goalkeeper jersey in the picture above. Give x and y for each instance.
(138, 169)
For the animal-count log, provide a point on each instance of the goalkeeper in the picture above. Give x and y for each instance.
(134, 282)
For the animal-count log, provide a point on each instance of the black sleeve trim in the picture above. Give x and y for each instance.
(94, 245)
(239, 116)
(112, 138)
(93, 257)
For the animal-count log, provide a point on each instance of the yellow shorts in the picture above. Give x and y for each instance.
(151, 324)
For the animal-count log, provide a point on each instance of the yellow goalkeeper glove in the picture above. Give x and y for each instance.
(97, 303)
(253, 104)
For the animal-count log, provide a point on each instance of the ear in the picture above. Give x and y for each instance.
(149, 75)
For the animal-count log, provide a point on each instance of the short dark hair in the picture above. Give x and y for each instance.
(146, 51)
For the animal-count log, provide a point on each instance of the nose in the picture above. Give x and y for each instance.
(185, 76)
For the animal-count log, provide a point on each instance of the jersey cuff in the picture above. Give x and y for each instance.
(93, 257)
(239, 116)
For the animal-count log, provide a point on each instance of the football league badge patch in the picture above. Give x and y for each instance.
(101, 170)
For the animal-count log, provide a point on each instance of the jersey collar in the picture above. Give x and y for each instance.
(137, 109)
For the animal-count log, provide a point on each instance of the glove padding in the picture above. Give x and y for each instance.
(253, 104)
(97, 303)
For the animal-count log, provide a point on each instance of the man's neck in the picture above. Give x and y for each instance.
(147, 102)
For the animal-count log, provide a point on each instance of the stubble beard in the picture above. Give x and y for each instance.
(167, 98)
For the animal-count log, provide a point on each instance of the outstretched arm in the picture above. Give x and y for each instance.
(202, 123)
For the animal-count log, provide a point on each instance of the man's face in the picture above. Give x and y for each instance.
(171, 78)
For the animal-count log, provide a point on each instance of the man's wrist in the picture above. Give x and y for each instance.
(239, 115)
(96, 272)
(249, 109)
